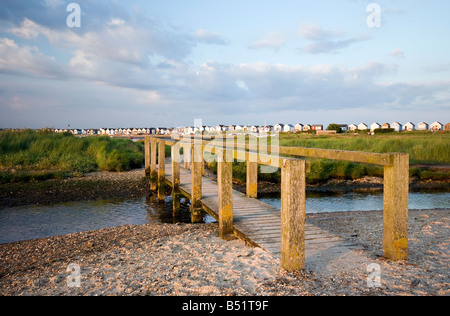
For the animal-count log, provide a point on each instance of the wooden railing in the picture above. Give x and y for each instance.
(293, 187)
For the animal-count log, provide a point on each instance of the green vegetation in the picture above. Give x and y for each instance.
(33, 156)
(384, 130)
(334, 127)
(425, 149)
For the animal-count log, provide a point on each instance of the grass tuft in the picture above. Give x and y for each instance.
(33, 156)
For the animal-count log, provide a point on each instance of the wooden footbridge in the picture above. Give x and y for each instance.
(283, 232)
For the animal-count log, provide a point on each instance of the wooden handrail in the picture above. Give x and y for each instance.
(293, 170)
(381, 159)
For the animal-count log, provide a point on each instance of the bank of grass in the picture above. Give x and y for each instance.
(40, 155)
(425, 149)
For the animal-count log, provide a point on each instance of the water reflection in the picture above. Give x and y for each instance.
(163, 212)
(40, 221)
(321, 202)
(32, 222)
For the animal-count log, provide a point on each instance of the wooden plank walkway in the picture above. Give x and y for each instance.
(255, 222)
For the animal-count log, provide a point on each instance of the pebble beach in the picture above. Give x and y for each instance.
(190, 260)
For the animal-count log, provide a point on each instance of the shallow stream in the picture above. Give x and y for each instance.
(33, 222)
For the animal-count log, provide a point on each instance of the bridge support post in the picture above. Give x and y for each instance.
(293, 214)
(153, 170)
(176, 179)
(252, 179)
(395, 217)
(196, 176)
(161, 171)
(187, 156)
(147, 156)
(225, 182)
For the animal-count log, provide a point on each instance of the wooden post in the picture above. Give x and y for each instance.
(153, 170)
(203, 162)
(252, 168)
(147, 156)
(293, 214)
(196, 176)
(187, 156)
(225, 182)
(252, 179)
(395, 218)
(161, 170)
(176, 179)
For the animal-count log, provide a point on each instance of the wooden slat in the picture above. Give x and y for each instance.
(255, 222)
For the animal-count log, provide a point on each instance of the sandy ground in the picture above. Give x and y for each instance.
(191, 260)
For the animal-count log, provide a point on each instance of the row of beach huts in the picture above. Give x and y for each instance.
(257, 129)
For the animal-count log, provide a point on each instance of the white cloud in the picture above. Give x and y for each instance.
(316, 33)
(241, 84)
(116, 40)
(325, 41)
(27, 60)
(295, 88)
(330, 46)
(148, 97)
(27, 30)
(397, 52)
(84, 64)
(117, 22)
(274, 40)
(147, 63)
(210, 37)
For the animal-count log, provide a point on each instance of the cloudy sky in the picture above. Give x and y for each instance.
(166, 63)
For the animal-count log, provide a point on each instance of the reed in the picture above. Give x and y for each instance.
(32, 155)
(423, 147)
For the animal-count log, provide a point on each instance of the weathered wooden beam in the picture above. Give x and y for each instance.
(395, 218)
(225, 183)
(353, 156)
(385, 159)
(293, 214)
(147, 156)
(153, 169)
(196, 178)
(187, 154)
(161, 170)
(252, 179)
(170, 142)
(176, 194)
(261, 159)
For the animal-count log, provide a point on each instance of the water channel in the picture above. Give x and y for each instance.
(34, 222)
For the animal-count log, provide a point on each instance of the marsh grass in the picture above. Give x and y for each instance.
(31, 155)
(423, 147)
(34, 156)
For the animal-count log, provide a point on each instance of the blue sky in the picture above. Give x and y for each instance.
(166, 63)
